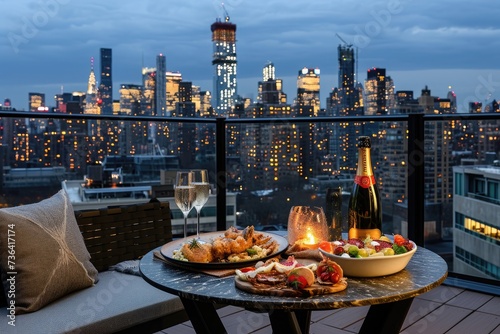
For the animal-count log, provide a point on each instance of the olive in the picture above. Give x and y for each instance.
(363, 252)
(388, 251)
(353, 251)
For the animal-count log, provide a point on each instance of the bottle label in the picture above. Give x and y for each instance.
(364, 181)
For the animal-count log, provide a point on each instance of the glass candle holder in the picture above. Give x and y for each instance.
(306, 227)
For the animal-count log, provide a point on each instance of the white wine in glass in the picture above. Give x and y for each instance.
(184, 195)
(202, 191)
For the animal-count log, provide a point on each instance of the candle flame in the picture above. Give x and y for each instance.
(310, 239)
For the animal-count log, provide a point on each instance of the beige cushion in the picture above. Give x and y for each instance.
(51, 259)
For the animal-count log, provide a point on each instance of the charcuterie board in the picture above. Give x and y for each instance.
(282, 290)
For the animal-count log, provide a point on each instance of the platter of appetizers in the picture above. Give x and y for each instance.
(291, 277)
(233, 248)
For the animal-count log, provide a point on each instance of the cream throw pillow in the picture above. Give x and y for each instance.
(50, 258)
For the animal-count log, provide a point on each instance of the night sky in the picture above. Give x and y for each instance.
(46, 45)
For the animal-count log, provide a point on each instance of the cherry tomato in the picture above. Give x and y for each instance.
(325, 276)
(403, 242)
(399, 239)
(335, 277)
(247, 269)
(296, 282)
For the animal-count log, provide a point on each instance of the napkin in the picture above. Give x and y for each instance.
(128, 267)
(212, 272)
(299, 253)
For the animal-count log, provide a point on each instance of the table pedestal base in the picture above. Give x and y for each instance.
(386, 318)
(381, 318)
(290, 322)
(204, 317)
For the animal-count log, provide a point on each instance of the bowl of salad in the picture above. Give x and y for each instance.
(370, 258)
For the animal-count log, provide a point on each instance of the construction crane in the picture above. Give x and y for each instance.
(226, 14)
(346, 44)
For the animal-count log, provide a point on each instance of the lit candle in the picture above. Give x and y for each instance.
(306, 227)
(310, 239)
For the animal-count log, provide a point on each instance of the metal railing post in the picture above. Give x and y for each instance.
(220, 167)
(416, 178)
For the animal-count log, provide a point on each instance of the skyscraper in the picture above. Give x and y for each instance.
(270, 89)
(161, 85)
(91, 103)
(130, 99)
(148, 90)
(186, 108)
(173, 80)
(106, 84)
(36, 101)
(347, 80)
(268, 72)
(224, 62)
(308, 89)
(438, 173)
(349, 104)
(37, 104)
(376, 91)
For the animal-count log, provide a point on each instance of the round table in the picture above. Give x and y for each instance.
(390, 296)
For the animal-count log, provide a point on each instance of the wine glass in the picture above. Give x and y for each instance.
(184, 195)
(202, 191)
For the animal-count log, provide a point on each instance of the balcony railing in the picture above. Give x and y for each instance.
(484, 198)
(415, 153)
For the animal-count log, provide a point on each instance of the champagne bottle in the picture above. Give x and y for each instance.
(365, 210)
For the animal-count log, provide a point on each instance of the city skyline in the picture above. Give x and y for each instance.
(48, 44)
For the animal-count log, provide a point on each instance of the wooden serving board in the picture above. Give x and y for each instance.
(285, 291)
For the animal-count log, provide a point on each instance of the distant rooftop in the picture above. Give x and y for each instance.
(489, 169)
(492, 170)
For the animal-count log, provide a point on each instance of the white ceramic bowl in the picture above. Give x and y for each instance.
(372, 266)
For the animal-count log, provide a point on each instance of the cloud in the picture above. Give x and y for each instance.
(407, 37)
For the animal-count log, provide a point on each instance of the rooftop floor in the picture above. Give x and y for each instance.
(445, 309)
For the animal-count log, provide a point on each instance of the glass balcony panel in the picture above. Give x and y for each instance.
(270, 166)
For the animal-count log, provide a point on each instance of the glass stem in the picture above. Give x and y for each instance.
(185, 225)
(198, 225)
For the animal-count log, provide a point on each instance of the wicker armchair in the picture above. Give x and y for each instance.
(122, 233)
(112, 235)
